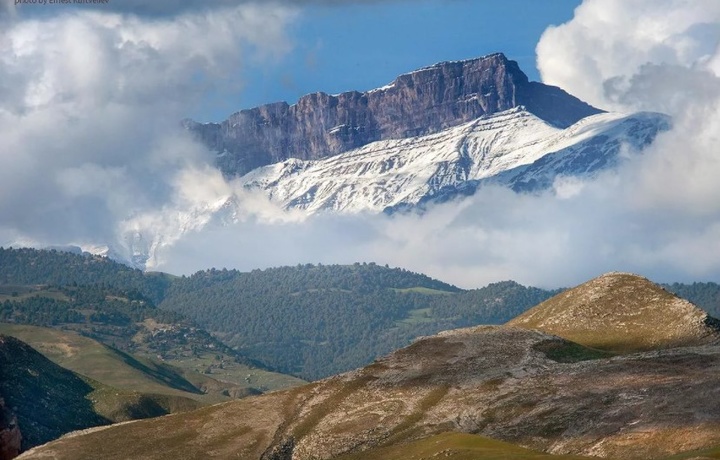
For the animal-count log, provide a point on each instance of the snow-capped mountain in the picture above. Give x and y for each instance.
(513, 148)
(422, 102)
(429, 136)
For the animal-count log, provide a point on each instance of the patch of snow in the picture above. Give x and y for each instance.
(382, 88)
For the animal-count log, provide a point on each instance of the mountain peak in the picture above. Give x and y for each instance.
(497, 60)
(417, 103)
(622, 312)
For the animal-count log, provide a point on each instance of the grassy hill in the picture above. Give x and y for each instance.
(479, 392)
(87, 383)
(150, 338)
(99, 362)
(139, 375)
(456, 446)
(622, 313)
(46, 399)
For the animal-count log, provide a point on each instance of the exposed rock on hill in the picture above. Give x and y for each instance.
(422, 102)
(512, 384)
(622, 312)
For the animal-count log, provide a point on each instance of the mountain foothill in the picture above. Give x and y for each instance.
(520, 389)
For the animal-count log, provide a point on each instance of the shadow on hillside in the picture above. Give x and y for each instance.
(47, 399)
(163, 374)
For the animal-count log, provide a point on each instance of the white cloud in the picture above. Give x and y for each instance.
(609, 41)
(495, 235)
(90, 104)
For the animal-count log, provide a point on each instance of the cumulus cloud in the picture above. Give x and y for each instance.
(609, 41)
(650, 55)
(90, 104)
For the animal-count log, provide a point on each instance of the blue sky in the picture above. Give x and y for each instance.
(365, 45)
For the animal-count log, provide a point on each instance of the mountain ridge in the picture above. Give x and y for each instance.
(420, 102)
(400, 147)
(330, 318)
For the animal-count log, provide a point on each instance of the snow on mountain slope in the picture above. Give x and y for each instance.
(591, 145)
(513, 148)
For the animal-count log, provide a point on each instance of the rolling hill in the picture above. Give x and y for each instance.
(308, 320)
(104, 364)
(511, 384)
(113, 304)
(621, 312)
(44, 399)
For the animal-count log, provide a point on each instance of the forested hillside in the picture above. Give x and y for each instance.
(314, 321)
(31, 266)
(125, 320)
(308, 320)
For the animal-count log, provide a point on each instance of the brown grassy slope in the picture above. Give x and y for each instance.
(496, 382)
(621, 312)
(456, 446)
(171, 387)
(103, 364)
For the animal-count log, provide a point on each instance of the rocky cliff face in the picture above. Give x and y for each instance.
(423, 102)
